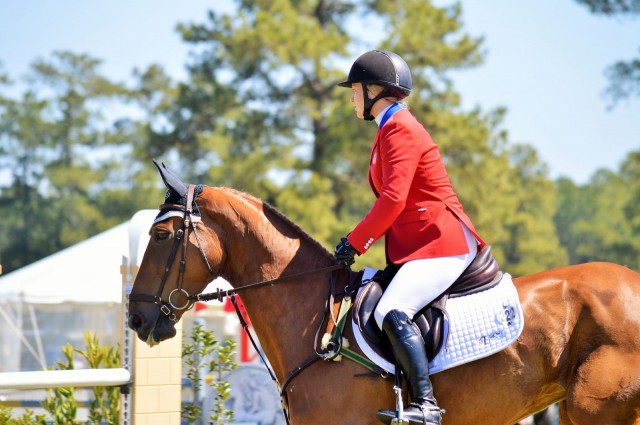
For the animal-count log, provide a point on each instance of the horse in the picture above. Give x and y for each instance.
(579, 347)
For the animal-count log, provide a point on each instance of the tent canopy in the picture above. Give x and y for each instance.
(55, 300)
(85, 273)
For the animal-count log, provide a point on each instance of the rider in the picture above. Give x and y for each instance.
(427, 232)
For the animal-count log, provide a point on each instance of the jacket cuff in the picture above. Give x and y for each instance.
(361, 246)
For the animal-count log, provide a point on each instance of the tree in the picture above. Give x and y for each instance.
(598, 221)
(526, 241)
(26, 225)
(65, 152)
(574, 210)
(624, 76)
(612, 7)
(629, 252)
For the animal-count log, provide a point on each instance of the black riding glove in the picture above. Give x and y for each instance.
(345, 253)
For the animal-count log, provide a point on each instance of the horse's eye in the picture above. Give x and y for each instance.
(162, 235)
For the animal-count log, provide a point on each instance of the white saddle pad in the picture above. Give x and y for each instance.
(480, 325)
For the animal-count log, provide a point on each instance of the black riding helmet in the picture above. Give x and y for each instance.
(380, 67)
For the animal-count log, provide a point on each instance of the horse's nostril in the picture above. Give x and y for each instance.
(135, 322)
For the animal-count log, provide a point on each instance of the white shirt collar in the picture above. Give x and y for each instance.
(381, 114)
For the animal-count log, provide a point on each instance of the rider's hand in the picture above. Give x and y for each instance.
(345, 253)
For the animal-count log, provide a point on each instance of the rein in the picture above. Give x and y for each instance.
(220, 294)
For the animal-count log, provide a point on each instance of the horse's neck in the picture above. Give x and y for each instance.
(264, 245)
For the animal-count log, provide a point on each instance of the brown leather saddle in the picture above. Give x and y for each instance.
(483, 273)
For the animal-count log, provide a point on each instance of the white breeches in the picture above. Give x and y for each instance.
(419, 282)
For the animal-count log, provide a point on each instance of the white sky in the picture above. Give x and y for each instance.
(545, 63)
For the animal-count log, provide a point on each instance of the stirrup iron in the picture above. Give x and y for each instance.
(399, 419)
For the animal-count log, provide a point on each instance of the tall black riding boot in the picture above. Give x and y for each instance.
(408, 348)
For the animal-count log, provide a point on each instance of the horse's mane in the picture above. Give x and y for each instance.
(256, 203)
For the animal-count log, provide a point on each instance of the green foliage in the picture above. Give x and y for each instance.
(27, 418)
(612, 7)
(624, 80)
(208, 361)
(61, 402)
(67, 156)
(624, 76)
(219, 367)
(105, 405)
(532, 244)
(599, 220)
(205, 354)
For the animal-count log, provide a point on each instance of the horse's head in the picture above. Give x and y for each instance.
(177, 264)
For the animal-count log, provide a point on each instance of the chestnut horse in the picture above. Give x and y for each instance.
(580, 345)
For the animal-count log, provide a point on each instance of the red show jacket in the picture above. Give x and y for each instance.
(416, 207)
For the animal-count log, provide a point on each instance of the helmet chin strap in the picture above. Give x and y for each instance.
(368, 103)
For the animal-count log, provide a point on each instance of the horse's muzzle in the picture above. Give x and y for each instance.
(151, 326)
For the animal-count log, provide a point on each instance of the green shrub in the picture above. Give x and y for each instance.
(27, 418)
(61, 403)
(104, 408)
(205, 353)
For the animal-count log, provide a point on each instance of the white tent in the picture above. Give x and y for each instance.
(55, 300)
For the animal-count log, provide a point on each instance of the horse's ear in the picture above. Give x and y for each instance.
(171, 181)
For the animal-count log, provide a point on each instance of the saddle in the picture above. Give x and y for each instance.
(483, 273)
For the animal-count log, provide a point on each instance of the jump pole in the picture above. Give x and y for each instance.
(64, 378)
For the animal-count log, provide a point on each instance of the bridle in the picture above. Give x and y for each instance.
(169, 307)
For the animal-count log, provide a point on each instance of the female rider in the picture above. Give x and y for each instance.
(427, 232)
